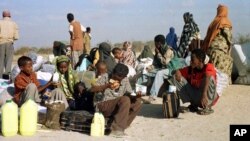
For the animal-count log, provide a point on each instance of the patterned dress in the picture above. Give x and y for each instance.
(220, 50)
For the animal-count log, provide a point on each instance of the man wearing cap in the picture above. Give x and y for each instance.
(8, 34)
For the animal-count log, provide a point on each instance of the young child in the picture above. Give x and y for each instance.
(67, 79)
(117, 52)
(28, 87)
(101, 69)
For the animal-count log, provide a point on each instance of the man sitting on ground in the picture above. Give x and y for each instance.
(113, 102)
(197, 83)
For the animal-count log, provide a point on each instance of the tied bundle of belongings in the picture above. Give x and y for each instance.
(54, 110)
(79, 121)
(171, 103)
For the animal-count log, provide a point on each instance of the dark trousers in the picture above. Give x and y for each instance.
(6, 57)
(122, 110)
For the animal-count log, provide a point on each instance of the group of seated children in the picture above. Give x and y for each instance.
(111, 92)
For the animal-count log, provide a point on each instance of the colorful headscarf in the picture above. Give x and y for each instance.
(67, 80)
(220, 21)
(190, 31)
(129, 57)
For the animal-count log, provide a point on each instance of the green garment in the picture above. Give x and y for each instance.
(67, 80)
(147, 52)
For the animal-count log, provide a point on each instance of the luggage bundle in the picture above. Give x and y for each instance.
(171, 103)
(79, 121)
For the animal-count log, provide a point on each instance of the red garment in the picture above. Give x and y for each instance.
(21, 82)
(195, 77)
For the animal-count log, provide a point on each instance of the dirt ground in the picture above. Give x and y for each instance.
(149, 125)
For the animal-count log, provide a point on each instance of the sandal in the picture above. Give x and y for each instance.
(206, 111)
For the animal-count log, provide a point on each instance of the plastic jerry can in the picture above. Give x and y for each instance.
(9, 118)
(97, 125)
(28, 118)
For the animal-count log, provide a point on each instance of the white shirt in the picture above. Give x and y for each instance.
(71, 27)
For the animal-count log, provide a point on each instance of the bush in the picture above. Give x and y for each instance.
(24, 50)
(45, 51)
(241, 39)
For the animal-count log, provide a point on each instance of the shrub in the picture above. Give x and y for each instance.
(241, 39)
(24, 50)
(45, 51)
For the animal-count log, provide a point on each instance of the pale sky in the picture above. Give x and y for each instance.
(43, 21)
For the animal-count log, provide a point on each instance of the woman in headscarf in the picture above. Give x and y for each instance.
(67, 78)
(105, 56)
(146, 52)
(128, 57)
(190, 32)
(218, 41)
(171, 38)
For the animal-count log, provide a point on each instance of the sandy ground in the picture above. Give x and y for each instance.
(149, 125)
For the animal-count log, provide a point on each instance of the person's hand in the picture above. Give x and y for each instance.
(178, 75)
(91, 67)
(115, 86)
(56, 84)
(204, 101)
(139, 94)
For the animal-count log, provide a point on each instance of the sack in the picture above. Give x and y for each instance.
(243, 79)
(241, 58)
(92, 54)
(83, 64)
(222, 82)
(48, 68)
(53, 115)
(170, 105)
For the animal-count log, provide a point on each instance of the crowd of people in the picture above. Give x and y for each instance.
(112, 92)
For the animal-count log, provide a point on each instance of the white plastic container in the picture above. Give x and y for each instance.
(28, 118)
(97, 125)
(9, 118)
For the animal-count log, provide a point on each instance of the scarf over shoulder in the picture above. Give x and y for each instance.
(220, 21)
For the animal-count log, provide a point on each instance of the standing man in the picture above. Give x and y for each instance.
(76, 31)
(86, 41)
(8, 34)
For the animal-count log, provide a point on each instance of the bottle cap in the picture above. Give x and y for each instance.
(8, 101)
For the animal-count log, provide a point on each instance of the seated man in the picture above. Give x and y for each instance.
(27, 86)
(197, 83)
(162, 57)
(112, 101)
